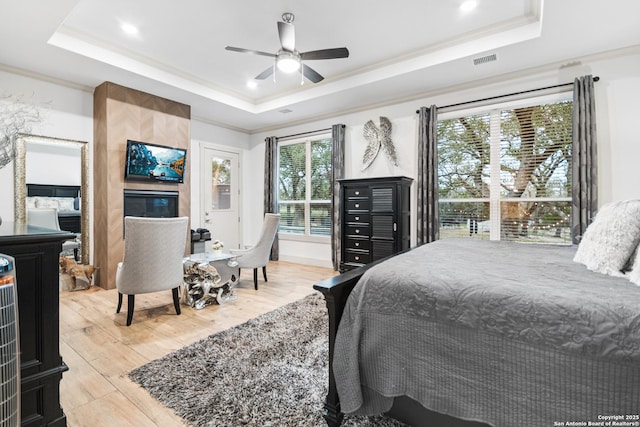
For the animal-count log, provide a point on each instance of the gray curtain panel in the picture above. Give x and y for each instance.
(270, 186)
(584, 158)
(428, 228)
(337, 172)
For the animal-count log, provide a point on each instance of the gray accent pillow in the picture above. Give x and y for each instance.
(610, 240)
(634, 274)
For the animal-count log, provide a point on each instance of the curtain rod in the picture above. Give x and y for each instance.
(312, 132)
(595, 79)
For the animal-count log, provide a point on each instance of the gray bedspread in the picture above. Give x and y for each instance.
(504, 333)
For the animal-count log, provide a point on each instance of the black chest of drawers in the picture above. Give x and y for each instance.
(36, 251)
(374, 219)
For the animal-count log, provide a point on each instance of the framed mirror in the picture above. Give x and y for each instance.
(66, 165)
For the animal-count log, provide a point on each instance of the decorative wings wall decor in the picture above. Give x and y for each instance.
(378, 138)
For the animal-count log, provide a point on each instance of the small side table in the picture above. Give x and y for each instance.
(209, 278)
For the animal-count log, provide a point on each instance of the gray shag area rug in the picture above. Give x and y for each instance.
(269, 371)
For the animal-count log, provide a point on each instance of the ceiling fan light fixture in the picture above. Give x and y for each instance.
(288, 59)
(288, 62)
(288, 17)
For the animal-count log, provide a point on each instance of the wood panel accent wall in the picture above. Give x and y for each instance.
(120, 114)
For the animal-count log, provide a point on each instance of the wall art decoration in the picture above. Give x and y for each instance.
(378, 138)
(16, 117)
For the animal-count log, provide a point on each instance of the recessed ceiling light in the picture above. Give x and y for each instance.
(468, 5)
(252, 84)
(129, 28)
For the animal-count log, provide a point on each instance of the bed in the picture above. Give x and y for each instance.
(65, 198)
(463, 332)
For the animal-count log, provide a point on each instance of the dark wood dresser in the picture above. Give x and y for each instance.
(36, 251)
(375, 219)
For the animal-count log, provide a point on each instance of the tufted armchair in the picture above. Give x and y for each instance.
(153, 253)
(258, 255)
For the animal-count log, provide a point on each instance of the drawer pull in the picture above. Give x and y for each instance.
(357, 258)
(357, 231)
(357, 205)
(357, 218)
(357, 244)
(357, 193)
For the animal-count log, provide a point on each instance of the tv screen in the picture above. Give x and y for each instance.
(151, 162)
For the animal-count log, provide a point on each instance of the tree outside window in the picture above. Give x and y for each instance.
(221, 183)
(304, 186)
(506, 174)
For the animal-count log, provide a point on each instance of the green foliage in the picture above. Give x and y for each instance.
(536, 150)
(321, 169)
(292, 183)
(463, 157)
(292, 173)
(535, 161)
(221, 171)
(535, 153)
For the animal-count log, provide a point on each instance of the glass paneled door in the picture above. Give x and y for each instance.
(221, 210)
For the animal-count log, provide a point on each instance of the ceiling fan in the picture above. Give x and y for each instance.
(288, 59)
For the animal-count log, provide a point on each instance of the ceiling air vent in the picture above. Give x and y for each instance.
(285, 111)
(485, 59)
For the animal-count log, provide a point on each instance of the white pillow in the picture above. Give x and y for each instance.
(65, 203)
(31, 202)
(609, 242)
(47, 202)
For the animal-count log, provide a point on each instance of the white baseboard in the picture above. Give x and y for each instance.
(307, 261)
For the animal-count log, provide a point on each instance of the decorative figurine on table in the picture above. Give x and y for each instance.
(217, 246)
(202, 285)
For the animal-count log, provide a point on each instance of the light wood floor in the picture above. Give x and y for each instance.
(100, 350)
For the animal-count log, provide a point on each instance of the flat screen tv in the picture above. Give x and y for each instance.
(151, 162)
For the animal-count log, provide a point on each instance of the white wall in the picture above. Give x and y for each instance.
(617, 110)
(617, 95)
(67, 114)
(219, 137)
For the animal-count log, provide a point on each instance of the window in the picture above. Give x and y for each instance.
(304, 186)
(220, 183)
(505, 174)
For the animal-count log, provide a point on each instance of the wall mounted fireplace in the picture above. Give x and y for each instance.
(149, 203)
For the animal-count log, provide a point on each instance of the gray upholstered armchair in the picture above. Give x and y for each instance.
(258, 255)
(153, 253)
(48, 218)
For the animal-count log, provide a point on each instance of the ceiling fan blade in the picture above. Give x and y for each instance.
(287, 34)
(255, 52)
(340, 52)
(266, 73)
(311, 74)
